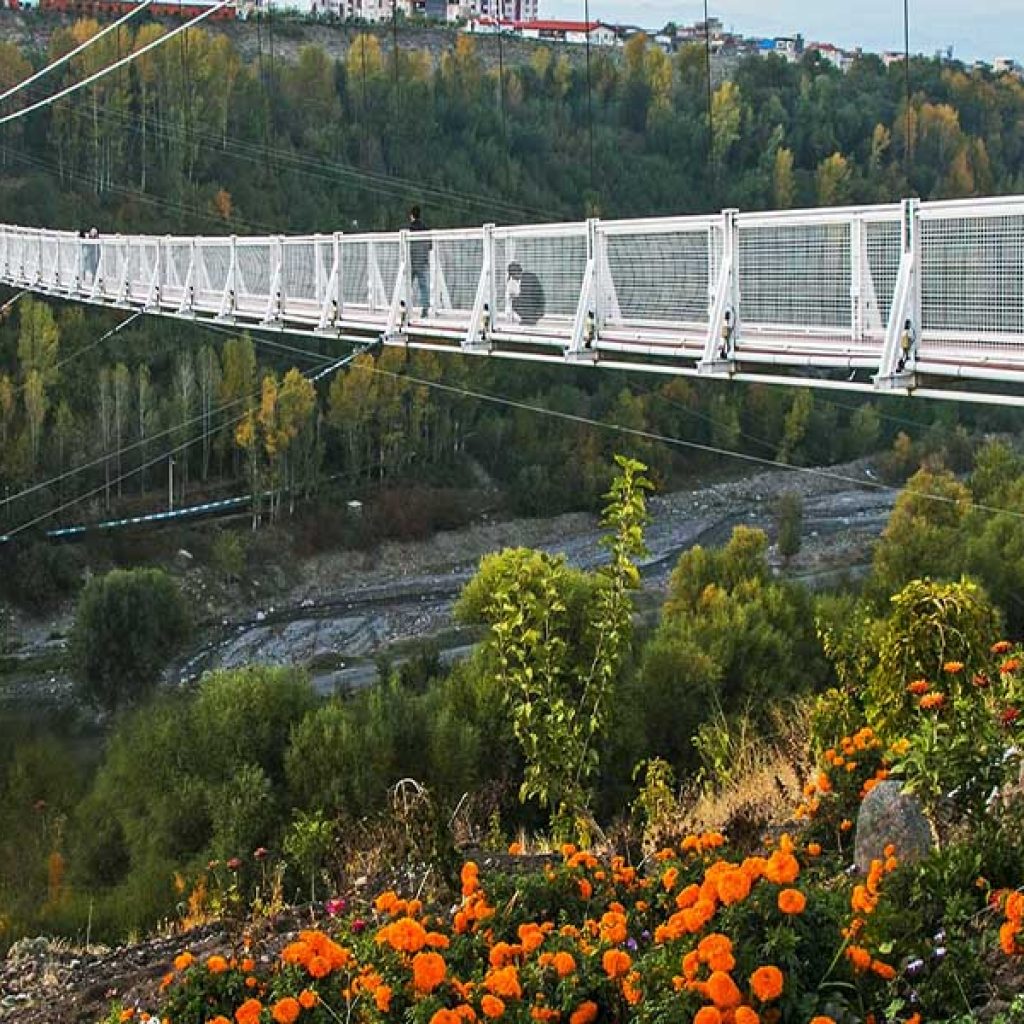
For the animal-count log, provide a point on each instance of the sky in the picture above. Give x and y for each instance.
(976, 29)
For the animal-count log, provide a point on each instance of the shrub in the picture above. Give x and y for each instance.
(127, 625)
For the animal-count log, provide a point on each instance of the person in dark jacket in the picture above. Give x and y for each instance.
(419, 261)
(524, 295)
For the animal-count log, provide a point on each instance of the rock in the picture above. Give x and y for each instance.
(888, 815)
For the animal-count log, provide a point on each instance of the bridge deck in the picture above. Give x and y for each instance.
(908, 297)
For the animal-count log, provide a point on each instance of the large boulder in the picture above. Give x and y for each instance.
(888, 815)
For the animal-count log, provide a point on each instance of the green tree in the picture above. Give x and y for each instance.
(924, 534)
(789, 522)
(127, 625)
(557, 640)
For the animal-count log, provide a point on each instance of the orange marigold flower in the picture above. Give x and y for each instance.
(1008, 939)
(953, 667)
(723, 991)
(823, 1019)
(386, 901)
(470, 878)
(919, 686)
(792, 901)
(405, 935)
(492, 1006)
(1001, 647)
(707, 1015)
(216, 964)
(845, 825)
(167, 980)
(616, 963)
(252, 982)
(504, 982)
(286, 1010)
(932, 701)
(308, 998)
(766, 983)
(219, 1019)
(1015, 907)
(585, 1013)
(782, 868)
(318, 967)
(382, 997)
(814, 849)
(249, 1012)
(515, 849)
(428, 971)
(733, 886)
(585, 888)
(859, 957)
(745, 1015)
(883, 970)
(563, 963)
(183, 961)
(1008, 666)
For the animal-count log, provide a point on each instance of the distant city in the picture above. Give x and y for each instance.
(519, 18)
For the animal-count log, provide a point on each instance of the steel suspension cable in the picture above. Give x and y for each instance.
(60, 61)
(117, 65)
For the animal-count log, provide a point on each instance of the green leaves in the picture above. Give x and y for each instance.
(557, 639)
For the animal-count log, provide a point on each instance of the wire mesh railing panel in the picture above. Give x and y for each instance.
(658, 277)
(111, 266)
(881, 265)
(177, 256)
(452, 267)
(14, 254)
(538, 277)
(353, 286)
(299, 271)
(212, 271)
(972, 285)
(30, 257)
(48, 257)
(325, 262)
(386, 256)
(253, 273)
(69, 251)
(796, 276)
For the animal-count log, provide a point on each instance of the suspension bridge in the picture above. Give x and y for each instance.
(913, 298)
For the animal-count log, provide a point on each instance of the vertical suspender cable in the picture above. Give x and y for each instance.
(590, 97)
(712, 177)
(906, 84)
(501, 104)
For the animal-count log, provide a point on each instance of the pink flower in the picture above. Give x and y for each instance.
(336, 906)
(234, 864)
(358, 926)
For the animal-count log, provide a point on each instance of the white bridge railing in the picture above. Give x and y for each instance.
(897, 298)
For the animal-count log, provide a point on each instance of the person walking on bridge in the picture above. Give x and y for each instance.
(419, 261)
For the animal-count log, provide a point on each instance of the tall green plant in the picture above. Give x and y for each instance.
(558, 638)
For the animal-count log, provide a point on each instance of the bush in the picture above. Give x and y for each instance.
(127, 626)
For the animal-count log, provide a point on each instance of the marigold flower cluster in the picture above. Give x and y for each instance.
(671, 941)
(851, 770)
(1011, 932)
(863, 902)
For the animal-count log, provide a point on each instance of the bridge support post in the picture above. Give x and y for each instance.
(587, 323)
(228, 298)
(723, 306)
(896, 371)
(481, 320)
(398, 313)
(330, 310)
(275, 297)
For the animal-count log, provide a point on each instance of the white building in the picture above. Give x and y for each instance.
(1006, 66)
(568, 32)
